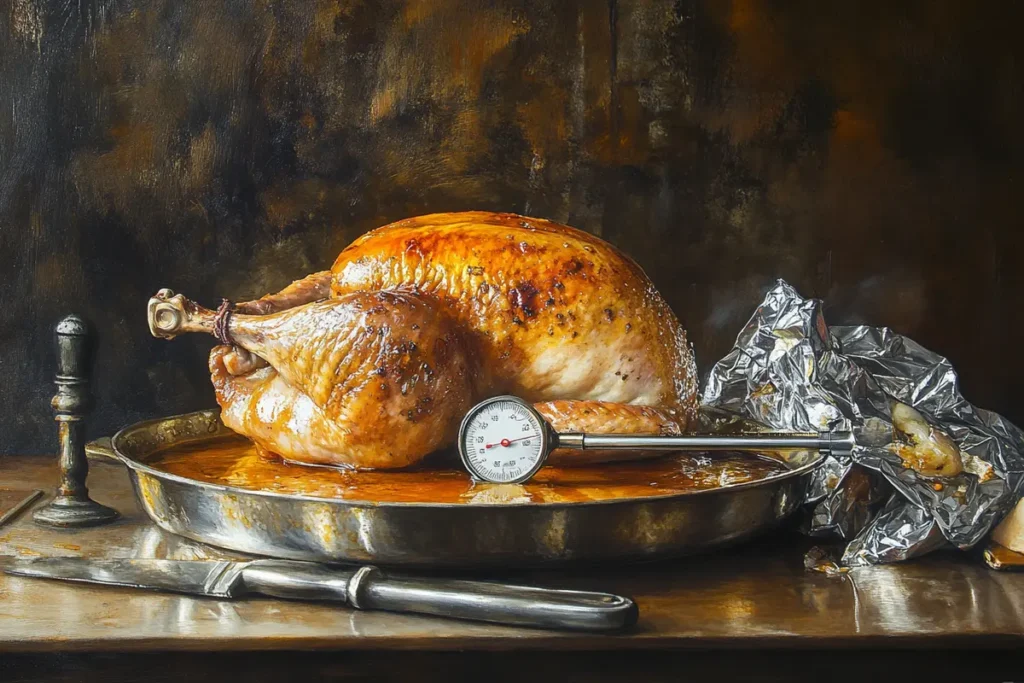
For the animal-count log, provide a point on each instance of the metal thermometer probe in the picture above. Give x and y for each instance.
(505, 440)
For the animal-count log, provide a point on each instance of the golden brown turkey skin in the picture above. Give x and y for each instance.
(371, 379)
(551, 312)
(374, 363)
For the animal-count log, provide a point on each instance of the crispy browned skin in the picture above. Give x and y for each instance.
(381, 376)
(552, 312)
(426, 316)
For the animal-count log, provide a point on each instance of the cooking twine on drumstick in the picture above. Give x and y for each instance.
(220, 322)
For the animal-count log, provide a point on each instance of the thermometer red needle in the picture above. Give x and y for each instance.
(506, 442)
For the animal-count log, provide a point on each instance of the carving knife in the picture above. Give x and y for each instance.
(363, 588)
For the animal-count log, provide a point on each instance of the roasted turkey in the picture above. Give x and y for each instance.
(373, 363)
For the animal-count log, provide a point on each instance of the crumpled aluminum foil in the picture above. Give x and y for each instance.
(789, 371)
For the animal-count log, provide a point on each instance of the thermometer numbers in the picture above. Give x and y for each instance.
(503, 441)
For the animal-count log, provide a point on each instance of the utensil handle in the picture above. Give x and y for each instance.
(493, 602)
(369, 588)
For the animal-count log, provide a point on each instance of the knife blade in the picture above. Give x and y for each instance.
(363, 588)
(197, 577)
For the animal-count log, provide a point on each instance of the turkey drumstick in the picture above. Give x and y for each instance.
(373, 363)
(187, 316)
(371, 379)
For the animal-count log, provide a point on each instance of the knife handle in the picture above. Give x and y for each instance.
(369, 588)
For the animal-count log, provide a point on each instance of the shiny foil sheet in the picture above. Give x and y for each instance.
(790, 371)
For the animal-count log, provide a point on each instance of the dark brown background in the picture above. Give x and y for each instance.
(869, 152)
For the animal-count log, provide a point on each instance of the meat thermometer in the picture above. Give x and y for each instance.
(504, 440)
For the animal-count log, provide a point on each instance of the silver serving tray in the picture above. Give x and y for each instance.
(443, 535)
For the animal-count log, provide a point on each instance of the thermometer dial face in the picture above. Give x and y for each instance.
(503, 440)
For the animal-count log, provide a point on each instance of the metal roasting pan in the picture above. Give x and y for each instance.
(443, 535)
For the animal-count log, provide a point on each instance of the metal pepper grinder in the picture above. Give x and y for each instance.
(72, 506)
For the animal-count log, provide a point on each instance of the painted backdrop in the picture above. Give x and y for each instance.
(869, 154)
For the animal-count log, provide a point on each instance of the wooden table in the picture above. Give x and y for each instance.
(752, 611)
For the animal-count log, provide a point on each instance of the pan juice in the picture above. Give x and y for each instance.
(234, 461)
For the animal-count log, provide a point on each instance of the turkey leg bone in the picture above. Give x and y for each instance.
(171, 314)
